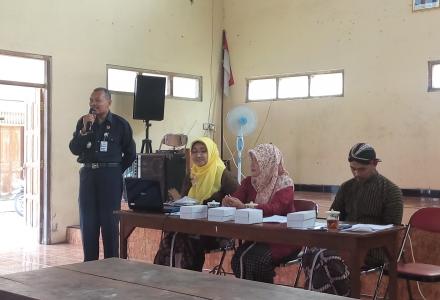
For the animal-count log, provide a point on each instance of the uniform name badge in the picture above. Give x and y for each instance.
(103, 146)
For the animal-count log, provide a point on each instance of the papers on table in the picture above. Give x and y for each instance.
(185, 201)
(275, 219)
(368, 227)
(320, 224)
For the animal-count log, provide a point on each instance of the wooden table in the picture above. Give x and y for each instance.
(116, 278)
(355, 243)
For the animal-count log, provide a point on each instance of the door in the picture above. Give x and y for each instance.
(28, 76)
(32, 166)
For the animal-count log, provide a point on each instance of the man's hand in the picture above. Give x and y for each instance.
(232, 202)
(87, 121)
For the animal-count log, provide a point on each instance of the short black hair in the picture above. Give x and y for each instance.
(106, 92)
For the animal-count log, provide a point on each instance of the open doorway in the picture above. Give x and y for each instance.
(24, 144)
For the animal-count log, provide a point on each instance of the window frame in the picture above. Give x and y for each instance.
(431, 65)
(169, 75)
(309, 77)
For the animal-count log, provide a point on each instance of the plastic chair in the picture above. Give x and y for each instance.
(177, 141)
(300, 205)
(427, 219)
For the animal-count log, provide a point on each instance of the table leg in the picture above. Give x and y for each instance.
(125, 231)
(354, 262)
(391, 250)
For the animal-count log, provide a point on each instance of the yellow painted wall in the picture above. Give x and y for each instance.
(383, 48)
(82, 37)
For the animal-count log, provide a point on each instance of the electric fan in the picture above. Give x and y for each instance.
(241, 121)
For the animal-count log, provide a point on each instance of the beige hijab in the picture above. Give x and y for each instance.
(273, 176)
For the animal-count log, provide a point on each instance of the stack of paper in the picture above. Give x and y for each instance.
(185, 201)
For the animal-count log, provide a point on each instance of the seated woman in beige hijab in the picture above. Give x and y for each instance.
(271, 188)
(209, 180)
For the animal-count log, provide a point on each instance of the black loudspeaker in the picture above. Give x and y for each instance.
(149, 98)
(168, 169)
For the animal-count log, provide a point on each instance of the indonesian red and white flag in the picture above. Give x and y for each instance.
(228, 79)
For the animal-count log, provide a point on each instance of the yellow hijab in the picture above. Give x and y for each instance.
(206, 180)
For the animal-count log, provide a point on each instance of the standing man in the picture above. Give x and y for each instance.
(368, 197)
(104, 144)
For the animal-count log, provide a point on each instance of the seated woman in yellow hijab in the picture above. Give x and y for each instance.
(209, 180)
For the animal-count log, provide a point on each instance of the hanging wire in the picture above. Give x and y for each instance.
(264, 124)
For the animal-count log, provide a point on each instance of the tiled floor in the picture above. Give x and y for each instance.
(19, 251)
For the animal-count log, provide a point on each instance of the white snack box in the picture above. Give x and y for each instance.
(194, 212)
(221, 211)
(301, 219)
(221, 214)
(249, 216)
(220, 218)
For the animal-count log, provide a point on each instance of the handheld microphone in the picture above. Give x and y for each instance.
(89, 124)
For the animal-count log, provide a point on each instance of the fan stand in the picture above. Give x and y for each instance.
(241, 121)
(240, 147)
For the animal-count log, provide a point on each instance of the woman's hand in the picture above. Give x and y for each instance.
(174, 194)
(232, 202)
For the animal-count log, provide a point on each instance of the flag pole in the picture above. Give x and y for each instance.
(223, 94)
(221, 128)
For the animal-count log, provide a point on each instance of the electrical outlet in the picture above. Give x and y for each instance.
(209, 126)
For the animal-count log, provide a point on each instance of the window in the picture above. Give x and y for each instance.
(434, 76)
(22, 69)
(293, 87)
(185, 87)
(262, 89)
(121, 80)
(181, 86)
(326, 85)
(302, 86)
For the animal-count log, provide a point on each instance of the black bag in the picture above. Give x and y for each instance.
(143, 194)
(326, 272)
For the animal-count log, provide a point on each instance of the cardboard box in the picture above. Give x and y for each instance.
(301, 219)
(194, 212)
(221, 214)
(249, 216)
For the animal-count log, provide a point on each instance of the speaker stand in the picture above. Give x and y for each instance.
(146, 143)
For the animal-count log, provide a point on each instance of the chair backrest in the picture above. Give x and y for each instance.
(427, 218)
(302, 205)
(177, 141)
